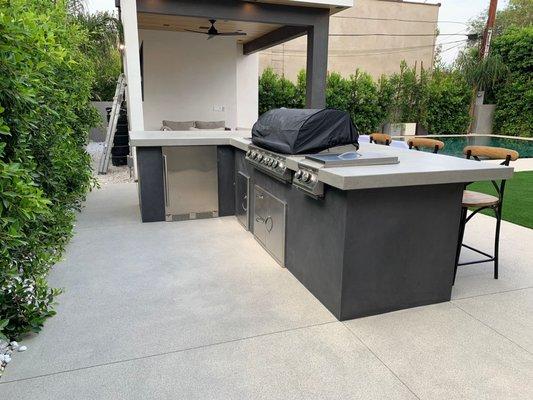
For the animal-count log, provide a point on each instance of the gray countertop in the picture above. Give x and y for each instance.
(415, 167)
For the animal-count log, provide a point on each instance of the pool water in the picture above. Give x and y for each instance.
(454, 145)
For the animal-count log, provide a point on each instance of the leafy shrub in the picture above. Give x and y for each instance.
(438, 100)
(364, 104)
(45, 86)
(514, 96)
(448, 102)
(276, 92)
(103, 30)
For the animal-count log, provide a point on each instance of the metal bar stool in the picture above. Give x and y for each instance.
(380, 138)
(426, 143)
(481, 201)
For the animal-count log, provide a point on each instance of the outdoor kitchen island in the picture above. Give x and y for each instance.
(375, 239)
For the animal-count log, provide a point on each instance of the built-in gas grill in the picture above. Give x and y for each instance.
(284, 131)
(273, 164)
(314, 134)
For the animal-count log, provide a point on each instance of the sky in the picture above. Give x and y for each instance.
(453, 16)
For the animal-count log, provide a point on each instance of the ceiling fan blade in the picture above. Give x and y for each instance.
(232, 34)
(190, 30)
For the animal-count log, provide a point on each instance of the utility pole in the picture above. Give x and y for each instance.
(487, 34)
(485, 43)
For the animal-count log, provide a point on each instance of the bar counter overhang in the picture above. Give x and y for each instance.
(383, 237)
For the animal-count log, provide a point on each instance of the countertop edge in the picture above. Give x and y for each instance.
(374, 181)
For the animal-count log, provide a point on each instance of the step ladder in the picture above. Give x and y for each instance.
(118, 99)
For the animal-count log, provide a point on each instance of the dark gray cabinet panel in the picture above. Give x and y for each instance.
(242, 199)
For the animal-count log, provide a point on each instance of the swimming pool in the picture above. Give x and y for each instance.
(454, 144)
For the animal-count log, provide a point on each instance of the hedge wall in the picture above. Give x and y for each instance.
(439, 100)
(45, 115)
(514, 95)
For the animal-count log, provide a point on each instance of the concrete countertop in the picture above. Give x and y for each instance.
(414, 168)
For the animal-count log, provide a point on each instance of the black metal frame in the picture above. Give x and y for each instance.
(497, 208)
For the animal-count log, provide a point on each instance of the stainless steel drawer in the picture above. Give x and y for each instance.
(269, 223)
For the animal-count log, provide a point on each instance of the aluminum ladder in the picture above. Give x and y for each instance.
(112, 126)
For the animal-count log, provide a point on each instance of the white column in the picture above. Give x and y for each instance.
(132, 64)
(132, 69)
(247, 89)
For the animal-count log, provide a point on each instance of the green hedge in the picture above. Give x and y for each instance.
(45, 86)
(439, 100)
(514, 96)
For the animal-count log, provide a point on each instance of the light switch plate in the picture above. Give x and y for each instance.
(218, 108)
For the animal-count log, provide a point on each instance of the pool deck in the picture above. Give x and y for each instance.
(522, 164)
(198, 310)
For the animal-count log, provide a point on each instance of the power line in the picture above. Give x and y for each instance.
(450, 48)
(348, 53)
(429, 21)
(398, 34)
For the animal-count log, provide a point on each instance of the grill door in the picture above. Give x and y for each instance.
(269, 223)
(260, 215)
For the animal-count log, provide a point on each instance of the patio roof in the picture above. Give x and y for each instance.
(269, 25)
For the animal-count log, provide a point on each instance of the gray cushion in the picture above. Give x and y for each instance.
(179, 125)
(210, 124)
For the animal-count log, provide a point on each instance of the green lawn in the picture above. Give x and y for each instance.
(518, 200)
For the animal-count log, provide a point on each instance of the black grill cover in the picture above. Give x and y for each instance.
(301, 131)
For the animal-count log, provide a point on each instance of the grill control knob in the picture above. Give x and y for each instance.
(248, 153)
(254, 155)
(298, 174)
(275, 163)
(281, 165)
(259, 157)
(306, 176)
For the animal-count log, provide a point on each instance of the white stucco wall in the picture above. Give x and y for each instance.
(187, 77)
(247, 89)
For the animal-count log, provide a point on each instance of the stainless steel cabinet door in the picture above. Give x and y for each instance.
(275, 226)
(242, 201)
(191, 182)
(260, 214)
(269, 223)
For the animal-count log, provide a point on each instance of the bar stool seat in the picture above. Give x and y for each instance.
(380, 138)
(476, 199)
(433, 144)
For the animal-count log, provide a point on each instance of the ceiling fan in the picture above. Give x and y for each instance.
(212, 31)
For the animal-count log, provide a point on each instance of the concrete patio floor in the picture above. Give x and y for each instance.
(198, 310)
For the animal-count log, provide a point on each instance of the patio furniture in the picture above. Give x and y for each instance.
(481, 201)
(426, 143)
(380, 138)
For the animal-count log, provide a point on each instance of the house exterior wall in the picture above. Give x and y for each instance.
(374, 54)
(186, 77)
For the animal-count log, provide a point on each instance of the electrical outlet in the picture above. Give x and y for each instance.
(218, 108)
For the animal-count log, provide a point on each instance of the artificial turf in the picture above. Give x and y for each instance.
(518, 198)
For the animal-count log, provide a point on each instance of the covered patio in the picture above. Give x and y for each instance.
(198, 310)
